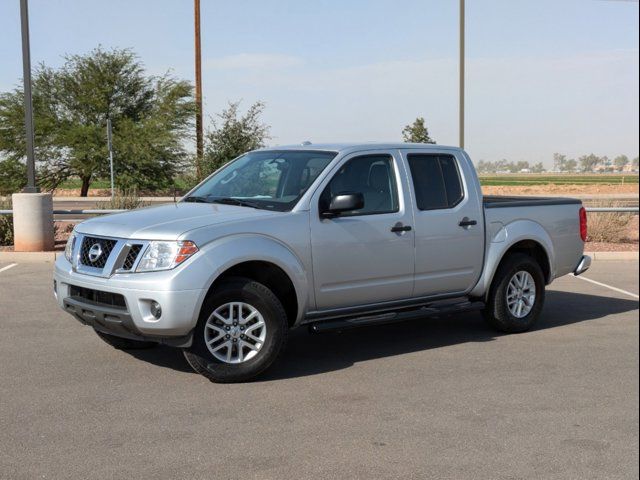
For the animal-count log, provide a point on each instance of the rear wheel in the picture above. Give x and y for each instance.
(241, 330)
(124, 343)
(517, 294)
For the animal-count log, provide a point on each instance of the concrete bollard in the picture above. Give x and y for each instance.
(32, 222)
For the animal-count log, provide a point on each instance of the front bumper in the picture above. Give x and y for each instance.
(133, 318)
(583, 265)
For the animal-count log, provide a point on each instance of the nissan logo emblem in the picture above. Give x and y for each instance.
(95, 252)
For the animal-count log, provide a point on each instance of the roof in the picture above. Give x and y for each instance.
(357, 146)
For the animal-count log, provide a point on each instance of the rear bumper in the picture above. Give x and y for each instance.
(583, 265)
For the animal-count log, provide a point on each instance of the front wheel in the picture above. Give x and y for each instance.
(241, 330)
(517, 294)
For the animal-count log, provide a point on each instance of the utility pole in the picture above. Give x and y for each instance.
(461, 61)
(110, 147)
(199, 134)
(28, 104)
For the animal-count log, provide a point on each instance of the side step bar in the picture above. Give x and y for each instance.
(431, 310)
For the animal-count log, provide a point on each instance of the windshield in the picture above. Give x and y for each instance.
(273, 180)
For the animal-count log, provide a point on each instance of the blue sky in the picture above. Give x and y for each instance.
(544, 76)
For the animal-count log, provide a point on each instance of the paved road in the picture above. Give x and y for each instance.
(438, 398)
(76, 203)
(71, 203)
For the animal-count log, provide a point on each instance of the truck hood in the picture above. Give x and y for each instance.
(167, 222)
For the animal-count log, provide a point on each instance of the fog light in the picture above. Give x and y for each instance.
(156, 310)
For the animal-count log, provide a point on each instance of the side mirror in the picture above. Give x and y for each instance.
(344, 202)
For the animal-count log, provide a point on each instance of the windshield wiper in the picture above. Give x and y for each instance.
(196, 199)
(234, 201)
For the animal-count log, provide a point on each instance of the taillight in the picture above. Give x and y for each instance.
(583, 224)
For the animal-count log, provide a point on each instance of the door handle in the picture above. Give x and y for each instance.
(465, 222)
(400, 228)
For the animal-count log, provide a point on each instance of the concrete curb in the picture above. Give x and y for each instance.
(106, 199)
(613, 255)
(50, 257)
(29, 257)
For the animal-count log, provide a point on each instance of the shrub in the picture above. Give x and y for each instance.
(124, 200)
(609, 227)
(6, 224)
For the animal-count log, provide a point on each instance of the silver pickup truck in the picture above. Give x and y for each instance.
(328, 236)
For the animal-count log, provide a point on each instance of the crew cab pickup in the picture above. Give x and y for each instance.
(327, 236)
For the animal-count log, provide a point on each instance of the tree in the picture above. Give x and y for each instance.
(634, 162)
(538, 168)
(417, 132)
(588, 163)
(151, 116)
(519, 166)
(13, 176)
(620, 162)
(484, 167)
(564, 164)
(560, 162)
(232, 135)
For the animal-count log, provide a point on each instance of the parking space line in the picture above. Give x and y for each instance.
(608, 286)
(4, 269)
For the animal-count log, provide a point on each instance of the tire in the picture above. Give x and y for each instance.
(497, 312)
(243, 295)
(124, 343)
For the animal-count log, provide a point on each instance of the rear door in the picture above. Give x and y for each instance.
(449, 233)
(365, 256)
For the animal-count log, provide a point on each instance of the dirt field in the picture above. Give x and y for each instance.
(590, 189)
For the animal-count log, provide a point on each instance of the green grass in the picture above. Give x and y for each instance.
(555, 179)
(105, 184)
(486, 180)
(75, 183)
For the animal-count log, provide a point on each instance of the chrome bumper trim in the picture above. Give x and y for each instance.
(583, 266)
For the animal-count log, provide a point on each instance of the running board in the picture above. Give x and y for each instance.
(431, 310)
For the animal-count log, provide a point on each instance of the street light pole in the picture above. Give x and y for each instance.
(28, 104)
(461, 113)
(199, 133)
(32, 210)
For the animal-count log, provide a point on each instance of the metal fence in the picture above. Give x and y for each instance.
(633, 210)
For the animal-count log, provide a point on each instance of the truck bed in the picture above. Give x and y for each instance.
(499, 201)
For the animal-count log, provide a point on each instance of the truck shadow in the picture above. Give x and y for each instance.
(312, 354)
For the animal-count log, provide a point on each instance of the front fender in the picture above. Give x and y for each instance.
(218, 256)
(501, 238)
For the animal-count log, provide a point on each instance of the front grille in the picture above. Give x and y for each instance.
(106, 246)
(98, 297)
(130, 259)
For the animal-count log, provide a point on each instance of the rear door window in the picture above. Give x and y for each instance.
(436, 180)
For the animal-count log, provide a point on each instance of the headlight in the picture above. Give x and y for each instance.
(68, 249)
(165, 255)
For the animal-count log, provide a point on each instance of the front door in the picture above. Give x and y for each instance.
(363, 257)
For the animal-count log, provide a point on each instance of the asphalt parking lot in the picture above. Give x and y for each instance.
(433, 398)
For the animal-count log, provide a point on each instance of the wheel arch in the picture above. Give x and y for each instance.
(265, 260)
(271, 276)
(525, 237)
